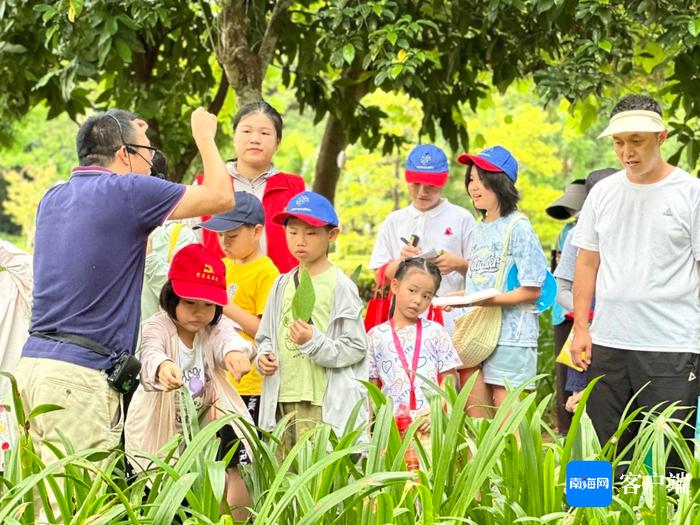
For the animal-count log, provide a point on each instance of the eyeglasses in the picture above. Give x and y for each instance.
(152, 149)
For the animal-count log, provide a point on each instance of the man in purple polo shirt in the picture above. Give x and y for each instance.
(90, 248)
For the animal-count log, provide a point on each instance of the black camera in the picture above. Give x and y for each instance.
(124, 377)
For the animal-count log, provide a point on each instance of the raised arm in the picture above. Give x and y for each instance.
(215, 194)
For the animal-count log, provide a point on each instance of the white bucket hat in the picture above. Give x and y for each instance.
(634, 120)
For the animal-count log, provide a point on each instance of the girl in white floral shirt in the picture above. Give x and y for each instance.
(406, 349)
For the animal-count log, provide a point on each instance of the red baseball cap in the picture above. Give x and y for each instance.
(197, 274)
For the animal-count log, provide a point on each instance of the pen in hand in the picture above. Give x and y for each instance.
(413, 242)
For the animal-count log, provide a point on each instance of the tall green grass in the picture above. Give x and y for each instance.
(510, 469)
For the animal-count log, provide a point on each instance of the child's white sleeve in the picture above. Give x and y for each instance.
(350, 348)
(372, 354)
(381, 253)
(467, 234)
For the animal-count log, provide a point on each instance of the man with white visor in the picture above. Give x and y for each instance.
(639, 246)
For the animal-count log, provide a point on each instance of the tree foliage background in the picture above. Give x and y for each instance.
(359, 83)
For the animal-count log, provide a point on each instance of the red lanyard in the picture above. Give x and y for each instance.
(402, 356)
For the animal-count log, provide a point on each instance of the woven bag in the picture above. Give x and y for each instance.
(476, 333)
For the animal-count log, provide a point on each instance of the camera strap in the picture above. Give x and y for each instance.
(75, 339)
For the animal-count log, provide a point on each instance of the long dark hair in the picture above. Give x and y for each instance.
(169, 300)
(419, 264)
(260, 107)
(499, 183)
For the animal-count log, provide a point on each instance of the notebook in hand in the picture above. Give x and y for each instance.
(466, 300)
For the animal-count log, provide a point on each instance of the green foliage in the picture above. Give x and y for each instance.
(159, 58)
(42, 154)
(25, 190)
(472, 471)
(152, 57)
(638, 46)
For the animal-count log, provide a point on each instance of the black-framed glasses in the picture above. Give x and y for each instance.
(151, 149)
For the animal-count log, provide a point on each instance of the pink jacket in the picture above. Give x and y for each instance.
(150, 422)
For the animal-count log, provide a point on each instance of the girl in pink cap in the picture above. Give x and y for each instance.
(190, 345)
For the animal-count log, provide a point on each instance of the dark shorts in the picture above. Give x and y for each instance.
(672, 377)
(253, 405)
(229, 439)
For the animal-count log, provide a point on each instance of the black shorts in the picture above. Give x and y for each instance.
(672, 376)
(253, 405)
(229, 439)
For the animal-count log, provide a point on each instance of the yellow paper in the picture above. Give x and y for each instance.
(564, 356)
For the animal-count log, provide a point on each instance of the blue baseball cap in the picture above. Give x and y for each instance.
(427, 164)
(310, 207)
(496, 158)
(248, 210)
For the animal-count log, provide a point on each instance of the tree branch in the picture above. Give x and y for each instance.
(232, 25)
(269, 40)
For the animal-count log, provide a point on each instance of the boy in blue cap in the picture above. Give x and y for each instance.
(249, 278)
(437, 224)
(313, 367)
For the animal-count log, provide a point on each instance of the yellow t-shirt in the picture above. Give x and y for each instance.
(249, 284)
(300, 378)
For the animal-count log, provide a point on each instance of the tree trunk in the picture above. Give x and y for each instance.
(327, 169)
(334, 139)
(241, 66)
(245, 67)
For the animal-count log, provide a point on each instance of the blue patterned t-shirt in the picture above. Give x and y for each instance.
(520, 326)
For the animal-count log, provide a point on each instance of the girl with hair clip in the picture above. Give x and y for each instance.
(407, 348)
(257, 133)
(490, 182)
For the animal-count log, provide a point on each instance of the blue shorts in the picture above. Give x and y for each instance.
(514, 364)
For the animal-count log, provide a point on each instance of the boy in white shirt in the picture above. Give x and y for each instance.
(437, 224)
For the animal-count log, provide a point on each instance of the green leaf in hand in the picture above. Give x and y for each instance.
(304, 297)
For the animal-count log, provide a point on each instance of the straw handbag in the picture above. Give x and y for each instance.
(476, 333)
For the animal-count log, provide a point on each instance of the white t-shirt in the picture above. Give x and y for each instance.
(191, 362)
(446, 226)
(437, 355)
(648, 287)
